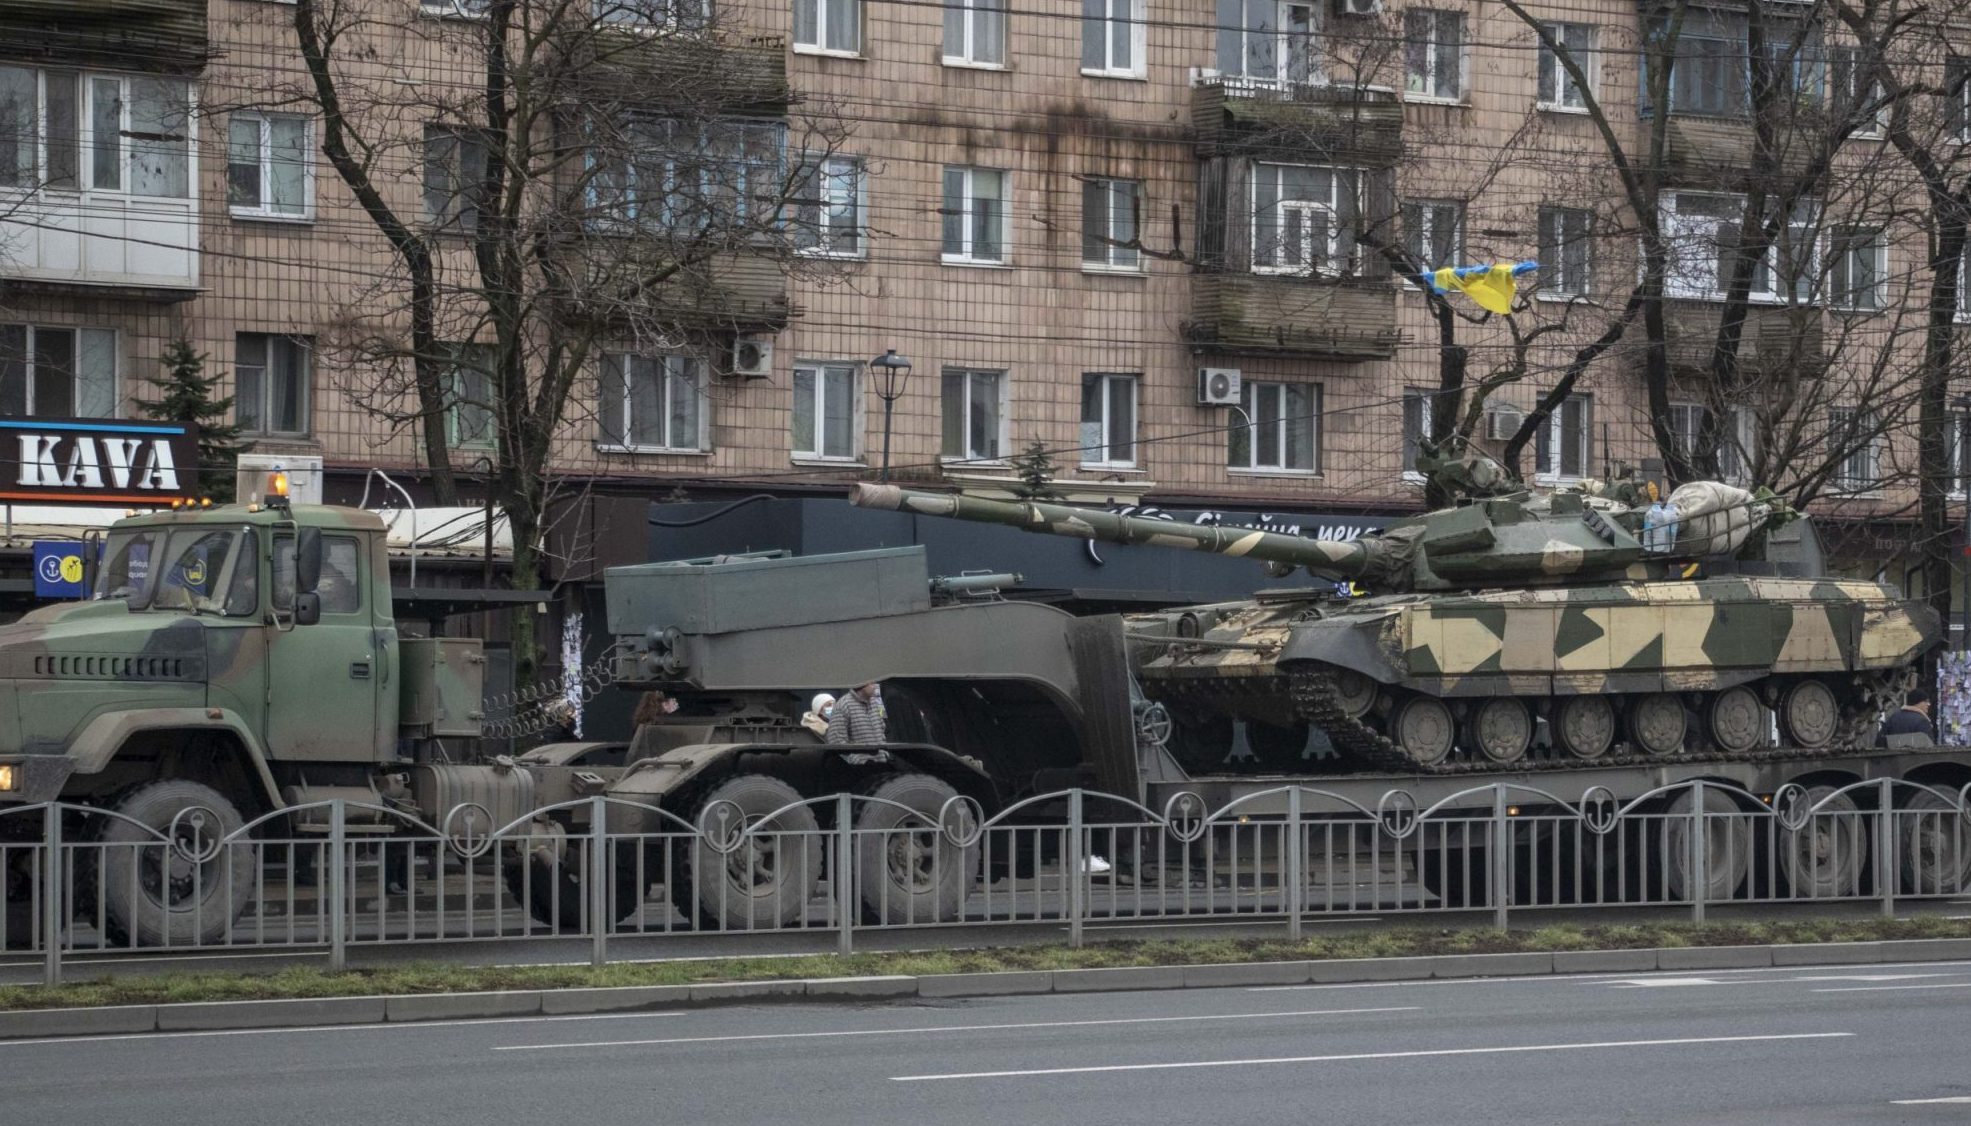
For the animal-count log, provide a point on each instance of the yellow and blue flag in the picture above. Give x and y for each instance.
(1493, 287)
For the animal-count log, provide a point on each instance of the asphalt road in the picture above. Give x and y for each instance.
(1832, 1045)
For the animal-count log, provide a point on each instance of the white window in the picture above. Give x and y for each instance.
(1416, 426)
(470, 422)
(456, 9)
(272, 377)
(1957, 97)
(454, 166)
(1112, 38)
(977, 223)
(1558, 90)
(1434, 54)
(1848, 95)
(825, 403)
(830, 26)
(1108, 420)
(57, 372)
(1854, 436)
(1303, 218)
(41, 127)
(1738, 445)
(1434, 232)
(1957, 428)
(267, 158)
(975, 32)
(1269, 41)
(139, 136)
(676, 14)
(1705, 233)
(1110, 211)
(1281, 428)
(661, 172)
(1564, 447)
(652, 403)
(974, 409)
(1566, 251)
(828, 207)
(1860, 268)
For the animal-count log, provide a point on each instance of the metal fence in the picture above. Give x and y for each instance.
(331, 876)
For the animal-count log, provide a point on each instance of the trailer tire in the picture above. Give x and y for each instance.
(153, 894)
(912, 872)
(766, 881)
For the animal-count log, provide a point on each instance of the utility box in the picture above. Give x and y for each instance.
(444, 686)
(727, 594)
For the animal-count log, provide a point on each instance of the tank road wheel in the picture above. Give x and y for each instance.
(1827, 856)
(1201, 741)
(1279, 747)
(1809, 715)
(1656, 723)
(1727, 847)
(1735, 720)
(1423, 727)
(906, 867)
(1936, 847)
(765, 881)
(1354, 693)
(178, 893)
(1501, 728)
(1584, 726)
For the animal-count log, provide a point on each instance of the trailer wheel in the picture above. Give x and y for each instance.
(908, 870)
(547, 877)
(1727, 845)
(184, 891)
(1825, 858)
(766, 879)
(1935, 846)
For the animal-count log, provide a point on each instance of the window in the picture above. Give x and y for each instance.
(1957, 428)
(833, 26)
(974, 405)
(827, 207)
(1854, 436)
(267, 165)
(1847, 96)
(680, 14)
(112, 133)
(1686, 423)
(469, 423)
(1267, 40)
(976, 222)
(1434, 54)
(1303, 218)
(1281, 429)
(1564, 447)
(457, 9)
(1112, 38)
(454, 167)
(1957, 97)
(271, 383)
(1859, 269)
(688, 177)
(1706, 233)
(1433, 232)
(1558, 90)
(975, 32)
(1110, 210)
(652, 402)
(1709, 75)
(1416, 426)
(41, 125)
(340, 587)
(825, 411)
(1566, 251)
(57, 372)
(1108, 420)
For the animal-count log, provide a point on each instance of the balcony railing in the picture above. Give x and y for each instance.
(1361, 124)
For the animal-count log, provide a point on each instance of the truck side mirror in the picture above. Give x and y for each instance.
(308, 563)
(307, 608)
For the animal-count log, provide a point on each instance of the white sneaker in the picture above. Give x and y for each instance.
(1096, 866)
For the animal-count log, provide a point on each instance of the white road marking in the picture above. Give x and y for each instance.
(377, 1026)
(1354, 1056)
(1923, 1102)
(1890, 988)
(951, 1028)
(1868, 977)
(1599, 978)
(1670, 982)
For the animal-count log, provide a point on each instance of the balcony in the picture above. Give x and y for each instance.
(1269, 314)
(1774, 338)
(742, 292)
(746, 76)
(101, 243)
(167, 35)
(1717, 153)
(1361, 125)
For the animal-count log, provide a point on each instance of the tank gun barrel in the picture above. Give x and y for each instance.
(1337, 559)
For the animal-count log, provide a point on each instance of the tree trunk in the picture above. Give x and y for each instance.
(1935, 537)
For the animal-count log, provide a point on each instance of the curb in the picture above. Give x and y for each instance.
(410, 1008)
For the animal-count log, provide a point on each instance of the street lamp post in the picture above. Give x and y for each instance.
(889, 373)
(1960, 479)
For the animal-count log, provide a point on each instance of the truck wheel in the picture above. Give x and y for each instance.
(908, 870)
(548, 879)
(766, 881)
(1727, 845)
(1935, 846)
(1826, 858)
(153, 893)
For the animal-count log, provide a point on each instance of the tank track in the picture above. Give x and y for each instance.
(1315, 697)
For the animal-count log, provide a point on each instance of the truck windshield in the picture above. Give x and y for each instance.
(213, 570)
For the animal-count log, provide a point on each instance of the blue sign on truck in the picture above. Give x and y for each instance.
(58, 569)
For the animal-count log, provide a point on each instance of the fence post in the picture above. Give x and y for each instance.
(845, 905)
(600, 915)
(1700, 853)
(1296, 860)
(1072, 861)
(52, 907)
(338, 892)
(1501, 858)
(1885, 845)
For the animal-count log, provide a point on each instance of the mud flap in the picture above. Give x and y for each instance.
(1101, 660)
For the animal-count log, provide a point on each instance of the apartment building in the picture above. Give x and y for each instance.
(1077, 221)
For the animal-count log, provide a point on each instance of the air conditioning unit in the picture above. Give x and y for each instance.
(752, 356)
(1358, 7)
(1218, 387)
(1501, 423)
(251, 473)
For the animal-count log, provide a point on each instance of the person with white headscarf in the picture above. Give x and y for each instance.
(819, 710)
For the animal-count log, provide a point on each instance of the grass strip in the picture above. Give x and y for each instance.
(431, 977)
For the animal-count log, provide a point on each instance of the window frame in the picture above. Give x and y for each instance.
(460, 215)
(1548, 62)
(1424, 401)
(671, 21)
(1957, 429)
(1843, 67)
(818, 370)
(973, 19)
(1284, 206)
(82, 148)
(1138, 38)
(1109, 236)
(1106, 423)
(1557, 284)
(1686, 233)
(820, 45)
(1255, 429)
(102, 343)
(1415, 229)
(1844, 245)
(265, 163)
(304, 382)
(825, 204)
(967, 380)
(1550, 438)
(457, 370)
(1273, 41)
(1842, 482)
(968, 201)
(1438, 19)
(694, 376)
